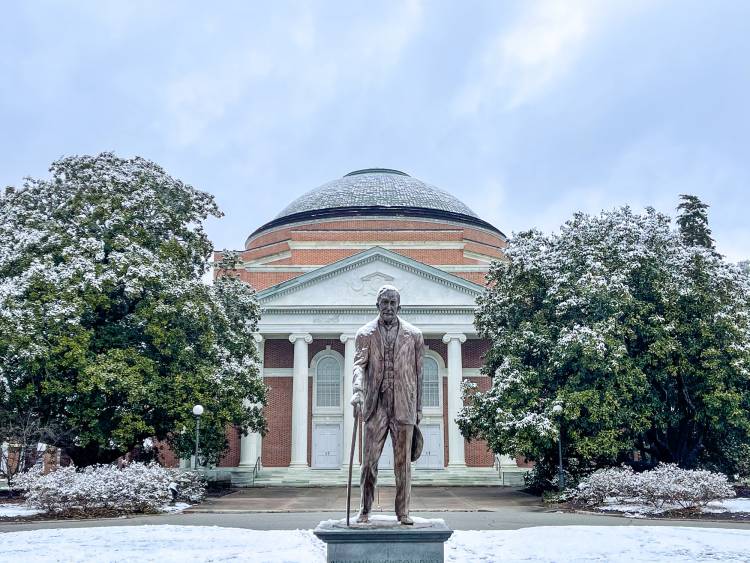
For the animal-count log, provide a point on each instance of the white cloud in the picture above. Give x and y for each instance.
(521, 62)
(654, 171)
(285, 70)
(198, 99)
(488, 200)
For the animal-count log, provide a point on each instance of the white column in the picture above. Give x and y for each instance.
(299, 399)
(249, 446)
(348, 340)
(455, 402)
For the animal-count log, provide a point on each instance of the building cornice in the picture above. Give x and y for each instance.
(364, 310)
(374, 254)
(373, 214)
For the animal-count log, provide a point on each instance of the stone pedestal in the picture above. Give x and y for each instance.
(384, 540)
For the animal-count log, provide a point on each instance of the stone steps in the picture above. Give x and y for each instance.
(306, 477)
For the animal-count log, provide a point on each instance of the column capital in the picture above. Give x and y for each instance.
(461, 337)
(347, 336)
(306, 336)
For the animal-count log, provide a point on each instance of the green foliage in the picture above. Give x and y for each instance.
(692, 220)
(106, 330)
(641, 334)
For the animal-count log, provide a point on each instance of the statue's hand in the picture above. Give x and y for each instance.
(357, 399)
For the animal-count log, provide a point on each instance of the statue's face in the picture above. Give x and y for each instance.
(389, 305)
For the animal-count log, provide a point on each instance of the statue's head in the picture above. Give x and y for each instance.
(388, 303)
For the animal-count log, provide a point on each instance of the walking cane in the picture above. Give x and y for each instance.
(351, 462)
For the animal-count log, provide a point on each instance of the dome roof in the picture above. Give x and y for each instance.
(376, 187)
(376, 192)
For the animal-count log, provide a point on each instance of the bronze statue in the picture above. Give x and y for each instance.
(388, 393)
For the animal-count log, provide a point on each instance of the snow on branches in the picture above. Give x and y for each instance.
(665, 486)
(642, 335)
(135, 488)
(105, 325)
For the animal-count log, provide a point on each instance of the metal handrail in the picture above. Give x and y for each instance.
(256, 469)
(497, 465)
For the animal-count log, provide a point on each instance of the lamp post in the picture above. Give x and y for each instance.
(557, 410)
(197, 412)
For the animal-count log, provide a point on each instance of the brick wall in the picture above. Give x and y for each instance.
(476, 451)
(277, 444)
(356, 229)
(231, 457)
(472, 352)
(263, 280)
(439, 347)
(318, 345)
(166, 456)
(278, 353)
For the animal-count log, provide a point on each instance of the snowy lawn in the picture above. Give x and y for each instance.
(21, 511)
(734, 505)
(17, 511)
(167, 544)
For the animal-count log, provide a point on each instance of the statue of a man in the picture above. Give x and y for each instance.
(388, 392)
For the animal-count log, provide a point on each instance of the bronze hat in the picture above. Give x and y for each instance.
(417, 443)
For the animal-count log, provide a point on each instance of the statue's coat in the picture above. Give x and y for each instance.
(407, 367)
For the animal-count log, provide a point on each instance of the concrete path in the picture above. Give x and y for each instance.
(465, 508)
(322, 499)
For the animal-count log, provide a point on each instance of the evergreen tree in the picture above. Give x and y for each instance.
(106, 331)
(692, 219)
(643, 338)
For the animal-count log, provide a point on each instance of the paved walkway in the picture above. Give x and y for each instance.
(466, 508)
(322, 499)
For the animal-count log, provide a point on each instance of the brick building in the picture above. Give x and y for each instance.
(317, 267)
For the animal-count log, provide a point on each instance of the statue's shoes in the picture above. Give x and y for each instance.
(406, 520)
(363, 518)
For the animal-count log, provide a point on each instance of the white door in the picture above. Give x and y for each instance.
(432, 452)
(326, 446)
(386, 457)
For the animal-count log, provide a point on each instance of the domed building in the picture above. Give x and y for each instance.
(317, 267)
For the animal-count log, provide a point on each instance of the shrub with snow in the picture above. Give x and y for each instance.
(667, 485)
(134, 488)
(613, 482)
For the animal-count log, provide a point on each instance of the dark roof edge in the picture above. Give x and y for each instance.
(369, 210)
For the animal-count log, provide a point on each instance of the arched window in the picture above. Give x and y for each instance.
(328, 382)
(430, 383)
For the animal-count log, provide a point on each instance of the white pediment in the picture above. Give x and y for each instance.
(355, 282)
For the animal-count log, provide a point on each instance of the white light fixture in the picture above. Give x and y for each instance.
(198, 410)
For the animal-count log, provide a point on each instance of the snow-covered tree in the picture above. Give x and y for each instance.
(640, 333)
(106, 330)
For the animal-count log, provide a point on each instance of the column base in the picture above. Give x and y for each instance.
(457, 465)
(298, 465)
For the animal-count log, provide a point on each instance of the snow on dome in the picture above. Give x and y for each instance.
(376, 187)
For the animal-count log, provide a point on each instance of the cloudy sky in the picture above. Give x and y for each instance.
(527, 110)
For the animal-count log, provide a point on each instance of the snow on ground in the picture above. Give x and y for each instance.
(17, 510)
(636, 509)
(728, 505)
(166, 544)
(20, 511)
(176, 507)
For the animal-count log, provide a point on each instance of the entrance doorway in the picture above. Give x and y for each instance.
(432, 452)
(326, 446)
